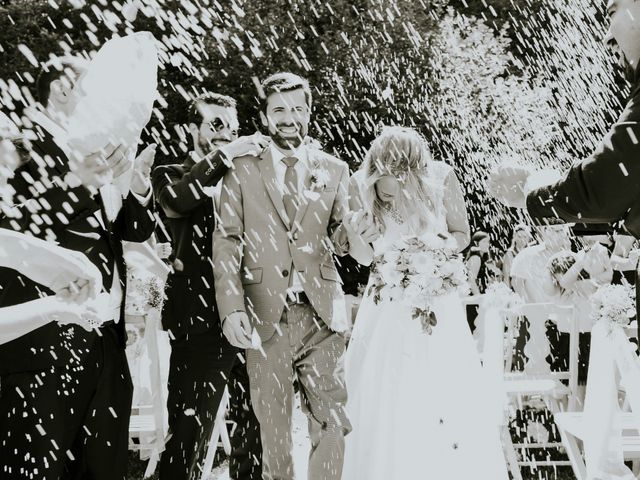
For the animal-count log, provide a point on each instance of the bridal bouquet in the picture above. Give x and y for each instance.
(144, 293)
(416, 270)
(615, 304)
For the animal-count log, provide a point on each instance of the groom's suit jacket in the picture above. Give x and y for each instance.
(255, 251)
(75, 220)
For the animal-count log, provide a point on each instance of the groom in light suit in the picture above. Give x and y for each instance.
(282, 220)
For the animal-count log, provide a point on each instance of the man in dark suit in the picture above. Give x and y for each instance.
(604, 187)
(65, 393)
(202, 360)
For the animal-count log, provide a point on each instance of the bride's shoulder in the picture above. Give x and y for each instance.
(440, 170)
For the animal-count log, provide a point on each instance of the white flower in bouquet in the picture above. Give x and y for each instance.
(614, 304)
(434, 285)
(391, 274)
(413, 291)
(392, 256)
(424, 263)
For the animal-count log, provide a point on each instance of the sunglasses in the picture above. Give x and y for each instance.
(218, 125)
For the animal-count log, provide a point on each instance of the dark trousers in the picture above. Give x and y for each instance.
(558, 357)
(246, 447)
(200, 367)
(68, 422)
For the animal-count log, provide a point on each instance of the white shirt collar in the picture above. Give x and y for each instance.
(300, 153)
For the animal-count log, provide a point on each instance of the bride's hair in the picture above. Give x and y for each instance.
(402, 153)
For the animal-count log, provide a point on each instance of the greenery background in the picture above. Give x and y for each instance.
(482, 79)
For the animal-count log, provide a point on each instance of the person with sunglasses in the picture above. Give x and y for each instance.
(201, 357)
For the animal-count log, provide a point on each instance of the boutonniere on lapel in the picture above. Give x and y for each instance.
(319, 179)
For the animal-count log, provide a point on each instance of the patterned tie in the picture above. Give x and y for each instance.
(290, 197)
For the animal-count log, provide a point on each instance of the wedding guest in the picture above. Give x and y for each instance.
(71, 277)
(521, 238)
(529, 272)
(624, 259)
(66, 392)
(202, 360)
(476, 260)
(531, 277)
(576, 277)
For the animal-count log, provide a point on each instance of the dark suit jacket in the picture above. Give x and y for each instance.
(604, 187)
(190, 305)
(68, 216)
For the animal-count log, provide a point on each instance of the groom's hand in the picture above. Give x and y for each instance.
(247, 145)
(237, 329)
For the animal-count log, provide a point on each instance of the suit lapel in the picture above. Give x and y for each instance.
(268, 173)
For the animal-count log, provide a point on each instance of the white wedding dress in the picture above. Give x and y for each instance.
(418, 403)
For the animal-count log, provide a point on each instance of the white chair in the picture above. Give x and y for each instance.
(542, 382)
(546, 385)
(146, 424)
(573, 426)
(219, 436)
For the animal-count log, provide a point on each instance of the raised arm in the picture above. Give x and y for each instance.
(178, 194)
(602, 188)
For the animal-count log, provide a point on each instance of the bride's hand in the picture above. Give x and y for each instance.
(361, 224)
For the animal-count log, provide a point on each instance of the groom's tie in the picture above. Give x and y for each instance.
(290, 197)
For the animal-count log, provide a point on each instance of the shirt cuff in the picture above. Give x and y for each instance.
(144, 201)
(226, 156)
(542, 178)
(229, 314)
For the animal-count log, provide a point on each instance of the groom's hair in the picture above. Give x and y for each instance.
(53, 70)
(285, 82)
(209, 98)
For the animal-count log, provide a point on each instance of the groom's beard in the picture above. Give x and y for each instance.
(288, 142)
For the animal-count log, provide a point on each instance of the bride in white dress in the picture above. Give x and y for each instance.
(417, 402)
